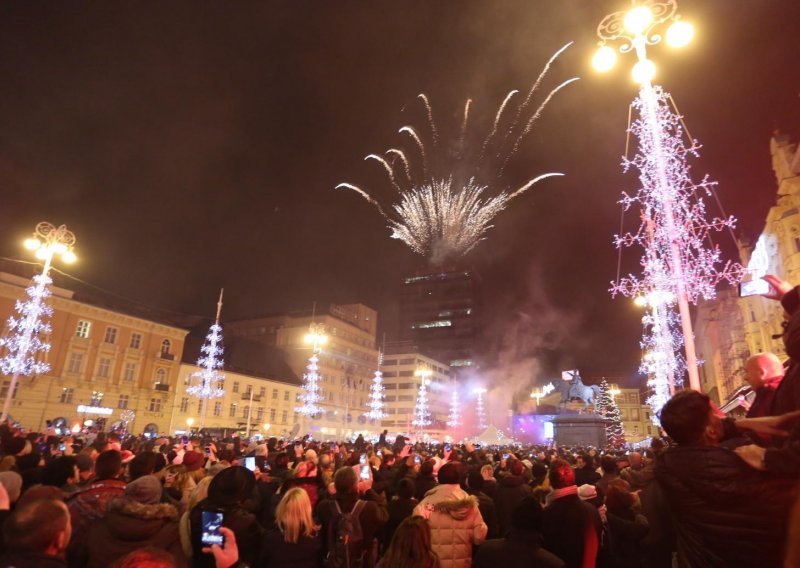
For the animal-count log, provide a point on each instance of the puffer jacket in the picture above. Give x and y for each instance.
(725, 513)
(130, 525)
(456, 524)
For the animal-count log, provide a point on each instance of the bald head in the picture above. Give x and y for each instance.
(763, 369)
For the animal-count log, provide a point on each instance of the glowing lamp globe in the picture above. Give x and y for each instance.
(638, 19)
(69, 257)
(604, 59)
(41, 253)
(59, 248)
(640, 301)
(643, 71)
(680, 34)
(32, 244)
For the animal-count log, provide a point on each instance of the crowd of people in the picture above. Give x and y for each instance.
(715, 492)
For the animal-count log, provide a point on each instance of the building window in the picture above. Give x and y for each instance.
(260, 413)
(246, 412)
(184, 404)
(217, 408)
(199, 407)
(284, 416)
(97, 398)
(166, 345)
(274, 394)
(286, 396)
(155, 405)
(136, 340)
(124, 399)
(111, 335)
(248, 390)
(232, 411)
(66, 394)
(262, 392)
(83, 329)
(75, 362)
(272, 415)
(129, 373)
(104, 368)
(236, 386)
(161, 376)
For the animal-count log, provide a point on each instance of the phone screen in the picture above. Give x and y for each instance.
(505, 456)
(250, 463)
(363, 459)
(379, 453)
(364, 472)
(212, 521)
(417, 459)
(447, 447)
(62, 447)
(753, 288)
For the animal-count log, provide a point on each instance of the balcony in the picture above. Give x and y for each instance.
(163, 387)
(167, 356)
(256, 397)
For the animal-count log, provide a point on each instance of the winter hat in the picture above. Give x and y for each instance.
(145, 490)
(84, 462)
(231, 485)
(14, 445)
(587, 492)
(193, 461)
(12, 481)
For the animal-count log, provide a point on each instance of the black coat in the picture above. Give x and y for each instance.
(423, 484)
(245, 527)
(566, 523)
(277, 553)
(586, 475)
(725, 512)
(520, 548)
(511, 489)
(625, 535)
(399, 510)
(31, 560)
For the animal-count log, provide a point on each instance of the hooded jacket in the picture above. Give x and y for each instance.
(456, 524)
(511, 489)
(130, 525)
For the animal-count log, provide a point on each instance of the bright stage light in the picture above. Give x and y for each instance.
(680, 34)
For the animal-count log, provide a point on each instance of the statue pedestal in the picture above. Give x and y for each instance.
(579, 430)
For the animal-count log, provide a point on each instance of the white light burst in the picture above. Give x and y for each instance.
(27, 339)
(440, 215)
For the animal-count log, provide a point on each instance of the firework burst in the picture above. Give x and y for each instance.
(447, 197)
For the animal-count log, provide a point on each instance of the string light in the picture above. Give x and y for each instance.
(27, 340)
(209, 378)
(375, 401)
(454, 417)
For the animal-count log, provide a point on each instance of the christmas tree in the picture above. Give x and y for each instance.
(209, 378)
(375, 401)
(421, 413)
(310, 396)
(454, 417)
(607, 407)
(25, 342)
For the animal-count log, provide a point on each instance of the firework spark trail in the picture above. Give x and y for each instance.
(366, 196)
(496, 122)
(464, 128)
(413, 133)
(402, 157)
(531, 121)
(531, 183)
(431, 123)
(388, 169)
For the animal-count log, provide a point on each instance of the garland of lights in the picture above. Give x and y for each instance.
(375, 402)
(608, 409)
(454, 417)
(421, 413)
(311, 391)
(25, 341)
(210, 361)
(481, 411)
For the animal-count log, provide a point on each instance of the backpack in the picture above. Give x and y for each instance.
(346, 547)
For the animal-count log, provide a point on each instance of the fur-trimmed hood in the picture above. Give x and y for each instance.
(447, 499)
(127, 519)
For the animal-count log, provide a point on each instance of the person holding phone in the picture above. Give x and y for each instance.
(295, 540)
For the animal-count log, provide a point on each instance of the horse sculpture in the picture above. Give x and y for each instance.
(575, 389)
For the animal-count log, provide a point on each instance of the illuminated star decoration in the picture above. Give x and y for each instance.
(447, 193)
(375, 402)
(209, 378)
(27, 340)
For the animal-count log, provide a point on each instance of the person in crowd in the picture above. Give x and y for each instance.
(63, 473)
(425, 481)
(400, 507)
(142, 464)
(85, 465)
(455, 521)
(489, 482)
(37, 535)
(522, 544)
(725, 513)
(306, 477)
(147, 557)
(137, 520)
(363, 504)
(572, 527)
(626, 527)
(640, 472)
(12, 483)
(608, 465)
(295, 541)
(511, 490)
(411, 546)
(584, 472)
(198, 494)
(91, 503)
(764, 373)
(227, 492)
(486, 505)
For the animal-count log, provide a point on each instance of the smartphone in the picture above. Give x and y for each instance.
(505, 456)
(250, 463)
(364, 472)
(417, 459)
(447, 447)
(757, 287)
(477, 446)
(62, 447)
(212, 521)
(208, 450)
(185, 439)
(379, 453)
(363, 459)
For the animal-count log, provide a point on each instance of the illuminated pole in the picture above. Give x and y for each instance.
(454, 417)
(421, 413)
(480, 410)
(311, 397)
(375, 401)
(209, 378)
(24, 343)
(685, 267)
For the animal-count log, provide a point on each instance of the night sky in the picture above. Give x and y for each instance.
(194, 145)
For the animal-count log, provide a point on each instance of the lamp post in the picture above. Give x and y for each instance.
(421, 413)
(636, 29)
(23, 345)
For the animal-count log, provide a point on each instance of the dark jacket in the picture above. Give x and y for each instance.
(489, 513)
(519, 548)
(511, 489)
(277, 553)
(245, 527)
(725, 512)
(130, 525)
(31, 560)
(85, 507)
(625, 534)
(373, 516)
(586, 476)
(399, 510)
(423, 484)
(571, 530)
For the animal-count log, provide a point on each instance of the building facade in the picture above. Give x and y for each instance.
(347, 361)
(635, 415)
(103, 362)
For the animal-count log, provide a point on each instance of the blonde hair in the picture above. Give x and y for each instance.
(293, 515)
(199, 493)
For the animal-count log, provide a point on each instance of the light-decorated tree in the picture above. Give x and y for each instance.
(375, 401)
(27, 342)
(606, 407)
(421, 412)
(454, 416)
(209, 379)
